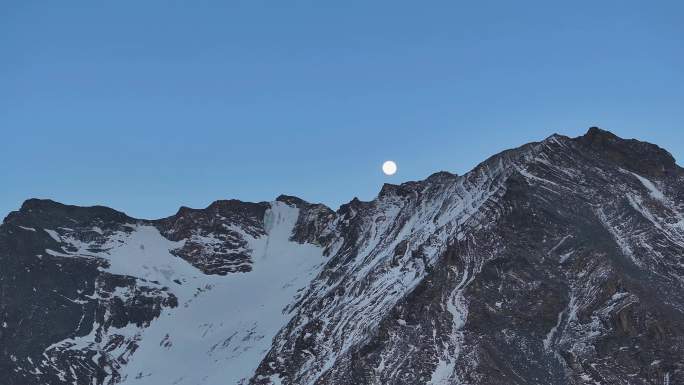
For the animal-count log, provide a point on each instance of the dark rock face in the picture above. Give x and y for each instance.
(49, 296)
(641, 157)
(213, 236)
(312, 223)
(559, 262)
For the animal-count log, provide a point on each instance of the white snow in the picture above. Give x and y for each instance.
(560, 243)
(620, 240)
(638, 205)
(54, 235)
(28, 228)
(57, 253)
(444, 373)
(564, 257)
(651, 187)
(524, 172)
(550, 336)
(145, 254)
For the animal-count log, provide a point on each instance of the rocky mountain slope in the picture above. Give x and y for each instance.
(559, 262)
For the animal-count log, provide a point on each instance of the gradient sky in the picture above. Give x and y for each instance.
(145, 106)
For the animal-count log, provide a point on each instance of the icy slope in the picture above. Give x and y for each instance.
(223, 327)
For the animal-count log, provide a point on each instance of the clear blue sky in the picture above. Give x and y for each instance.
(145, 106)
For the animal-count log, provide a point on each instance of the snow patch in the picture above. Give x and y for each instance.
(564, 257)
(621, 241)
(550, 336)
(651, 187)
(224, 332)
(54, 235)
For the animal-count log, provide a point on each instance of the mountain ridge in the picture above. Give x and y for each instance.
(595, 138)
(560, 261)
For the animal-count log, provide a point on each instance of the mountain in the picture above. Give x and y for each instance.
(558, 262)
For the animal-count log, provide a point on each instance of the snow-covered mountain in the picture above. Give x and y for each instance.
(559, 262)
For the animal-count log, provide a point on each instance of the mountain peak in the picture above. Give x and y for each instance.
(291, 200)
(45, 213)
(393, 189)
(442, 176)
(598, 133)
(642, 157)
(38, 203)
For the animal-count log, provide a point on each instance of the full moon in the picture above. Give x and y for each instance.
(389, 167)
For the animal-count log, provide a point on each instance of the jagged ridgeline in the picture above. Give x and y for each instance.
(558, 262)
